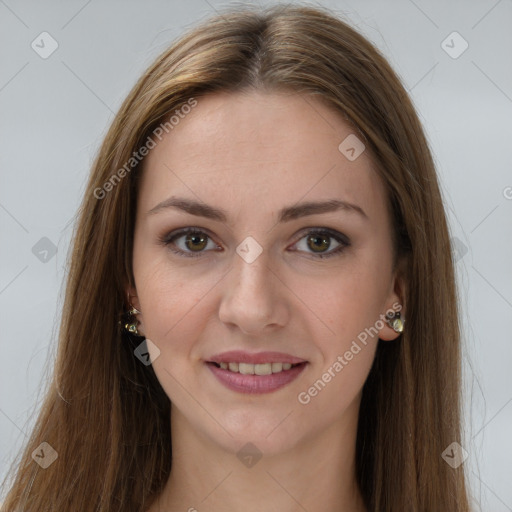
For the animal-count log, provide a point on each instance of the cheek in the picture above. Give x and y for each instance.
(352, 301)
(175, 309)
(351, 307)
(332, 393)
(347, 357)
(169, 311)
(164, 297)
(161, 288)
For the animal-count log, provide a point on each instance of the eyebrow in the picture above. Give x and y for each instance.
(285, 215)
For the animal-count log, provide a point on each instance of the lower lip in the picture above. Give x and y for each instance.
(256, 383)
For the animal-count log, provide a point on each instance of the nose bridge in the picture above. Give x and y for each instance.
(250, 297)
(252, 273)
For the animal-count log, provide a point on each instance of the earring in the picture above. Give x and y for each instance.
(131, 326)
(396, 322)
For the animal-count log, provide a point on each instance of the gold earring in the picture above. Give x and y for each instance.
(396, 322)
(132, 324)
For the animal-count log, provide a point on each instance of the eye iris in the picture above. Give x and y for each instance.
(319, 239)
(194, 238)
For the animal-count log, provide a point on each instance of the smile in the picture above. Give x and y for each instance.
(255, 369)
(255, 378)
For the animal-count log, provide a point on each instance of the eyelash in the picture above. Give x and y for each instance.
(169, 239)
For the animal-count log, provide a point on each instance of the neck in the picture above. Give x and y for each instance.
(317, 474)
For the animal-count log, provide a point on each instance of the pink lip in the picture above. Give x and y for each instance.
(239, 356)
(255, 383)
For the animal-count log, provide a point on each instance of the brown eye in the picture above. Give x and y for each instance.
(197, 242)
(194, 244)
(318, 243)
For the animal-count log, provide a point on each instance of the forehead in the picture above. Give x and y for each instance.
(254, 149)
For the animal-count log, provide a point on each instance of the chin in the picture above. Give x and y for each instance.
(267, 434)
(257, 444)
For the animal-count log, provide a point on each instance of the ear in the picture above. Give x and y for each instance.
(132, 299)
(395, 303)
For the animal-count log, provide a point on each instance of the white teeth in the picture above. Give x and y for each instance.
(255, 369)
(263, 369)
(246, 368)
(277, 367)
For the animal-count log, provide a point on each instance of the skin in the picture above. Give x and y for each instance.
(253, 153)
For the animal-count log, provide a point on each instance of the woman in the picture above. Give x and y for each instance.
(260, 310)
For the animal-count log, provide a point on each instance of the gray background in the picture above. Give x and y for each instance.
(55, 111)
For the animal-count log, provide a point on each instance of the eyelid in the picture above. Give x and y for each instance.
(168, 239)
(344, 241)
(331, 232)
(341, 238)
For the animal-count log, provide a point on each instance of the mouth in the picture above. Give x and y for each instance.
(255, 369)
(255, 378)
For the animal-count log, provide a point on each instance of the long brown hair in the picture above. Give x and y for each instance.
(105, 413)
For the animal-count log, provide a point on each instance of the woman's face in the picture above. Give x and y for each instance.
(252, 278)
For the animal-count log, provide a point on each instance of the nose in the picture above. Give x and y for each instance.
(253, 297)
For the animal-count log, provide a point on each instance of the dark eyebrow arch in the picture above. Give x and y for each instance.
(285, 215)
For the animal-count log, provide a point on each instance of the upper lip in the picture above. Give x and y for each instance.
(240, 356)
